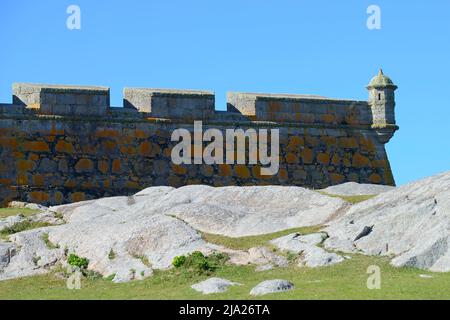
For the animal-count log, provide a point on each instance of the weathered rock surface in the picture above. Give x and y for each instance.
(32, 256)
(357, 189)
(411, 223)
(7, 250)
(10, 221)
(306, 246)
(213, 285)
(271, 286)
(245, 211)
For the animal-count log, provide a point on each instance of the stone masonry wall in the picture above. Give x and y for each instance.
(76, 147)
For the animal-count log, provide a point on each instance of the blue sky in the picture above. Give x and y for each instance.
(319, 47)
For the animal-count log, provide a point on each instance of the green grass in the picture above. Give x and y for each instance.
(351, 199)
(6, 212)
(245, 243)
(48, 243)
(22, 226)
(342, 281)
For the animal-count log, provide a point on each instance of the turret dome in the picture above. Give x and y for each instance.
(381, 81)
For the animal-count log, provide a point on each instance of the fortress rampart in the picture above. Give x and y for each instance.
(63, 144)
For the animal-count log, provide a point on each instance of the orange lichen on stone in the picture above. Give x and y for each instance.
(84, 165)
(7, 142)
(22, 179)
(367, 144)
(36, 146)
(116, 166)
(106, 184)
(360, 161)
(291, 158)
(107, 133)
(375, 178)
(64, 147)
(380, 164)
(109, 145)
(242, 171)
(70, 183)
(38, 180)
(87, 185)
(283, 174)
(225, 170)
(145, 148)
(167, 152)
(77, 197)
(19, 155)
(132, 185)
(55, 132)
(336, 160)
(103, 166)
(348, 143)
(177, 169)
(59, 197)
(327, 118)
(337, 178)
(274, 107)
(25, 165)
(33, 157)
(295, 142)
(323, 158)
(5, 181)
(128, 150)
(39, 196)
(347, 163)
(140, 134)
(307, 155)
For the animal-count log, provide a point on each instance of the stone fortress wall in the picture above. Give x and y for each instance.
(62, 144)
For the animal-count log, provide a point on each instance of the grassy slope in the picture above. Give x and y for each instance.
(245, 243)
(343, 281)
(6, 212)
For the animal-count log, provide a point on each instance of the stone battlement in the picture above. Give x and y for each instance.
(63, 144)
(80, 101)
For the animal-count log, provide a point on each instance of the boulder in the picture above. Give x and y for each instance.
(309, 254)
(32, 255)
(410, 223)
(213, 285)
(271, 286)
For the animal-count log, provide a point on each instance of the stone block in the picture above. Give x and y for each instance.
(62, 100)
(171, 104)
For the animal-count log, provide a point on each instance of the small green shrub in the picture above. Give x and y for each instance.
(76, 261)
(197, 262)
(218, 259)
(178, 261)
